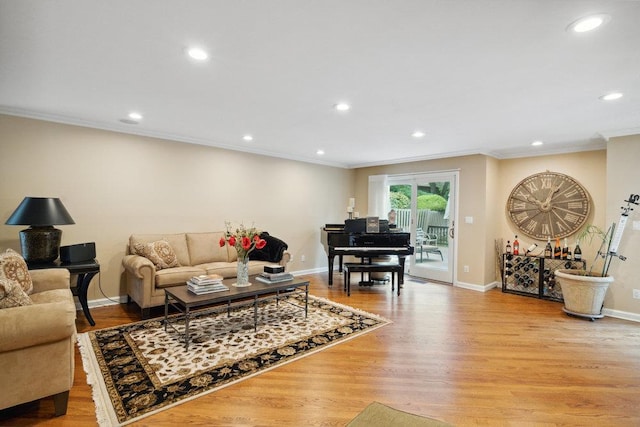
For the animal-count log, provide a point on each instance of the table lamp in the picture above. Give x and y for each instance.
(40, 242)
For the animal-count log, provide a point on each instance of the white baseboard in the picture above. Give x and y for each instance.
(474, 287)
(309, 271)
(634, 317)
(102, 302)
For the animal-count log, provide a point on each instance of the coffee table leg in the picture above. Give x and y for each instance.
(306, 300)
(166, 311)
(255, 313)
(186, 328)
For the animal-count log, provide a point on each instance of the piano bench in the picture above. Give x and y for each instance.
(352, 267)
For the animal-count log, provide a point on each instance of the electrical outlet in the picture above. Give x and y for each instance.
(465, 268)
(302, 258)
(636, 293)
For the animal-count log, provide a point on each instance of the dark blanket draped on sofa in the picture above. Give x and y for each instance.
(272, 252)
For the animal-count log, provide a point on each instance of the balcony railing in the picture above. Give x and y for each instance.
(433, 222)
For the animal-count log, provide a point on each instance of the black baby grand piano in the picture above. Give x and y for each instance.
(351, 238)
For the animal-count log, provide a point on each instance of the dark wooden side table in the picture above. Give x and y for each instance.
(85, 271)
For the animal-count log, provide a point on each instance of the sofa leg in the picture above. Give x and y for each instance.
(146, 313)
(60, 402)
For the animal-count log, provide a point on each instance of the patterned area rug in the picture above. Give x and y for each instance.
(138, 369)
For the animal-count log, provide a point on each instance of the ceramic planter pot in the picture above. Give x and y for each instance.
(583, 294)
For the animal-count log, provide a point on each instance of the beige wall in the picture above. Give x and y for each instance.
(588, 168)
(116, 184)
(623, 179)
(471, 238)
(494, 211)
(485, 184)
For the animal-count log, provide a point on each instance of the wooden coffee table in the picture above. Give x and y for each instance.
(184, 300)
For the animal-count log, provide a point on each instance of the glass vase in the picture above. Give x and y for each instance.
(242, 276)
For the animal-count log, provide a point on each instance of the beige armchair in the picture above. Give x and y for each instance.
(37, 343)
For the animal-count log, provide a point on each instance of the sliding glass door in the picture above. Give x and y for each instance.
(424, 205)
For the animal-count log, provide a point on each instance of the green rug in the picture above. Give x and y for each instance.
(379, 415)
(138, 369)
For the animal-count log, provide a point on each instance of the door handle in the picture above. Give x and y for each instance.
(451, 230)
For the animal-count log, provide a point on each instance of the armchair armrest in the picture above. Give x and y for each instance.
(47, 279)
(31, 325)
(138, 265)
(286, 258)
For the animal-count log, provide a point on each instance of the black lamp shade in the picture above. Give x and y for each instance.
(40, 211)
(40, 243)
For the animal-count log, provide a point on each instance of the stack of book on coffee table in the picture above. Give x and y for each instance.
(206, 284)
(274, 277)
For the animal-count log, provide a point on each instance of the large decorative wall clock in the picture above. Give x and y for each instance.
(548, 204)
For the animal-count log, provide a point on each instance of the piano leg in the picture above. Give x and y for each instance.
(330, 271)
(401, 259)
(331, 259)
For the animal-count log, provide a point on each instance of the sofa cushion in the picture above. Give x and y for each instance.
(224, 269)
(12, 295)
(205, 247)
(232, 252)
(177, 241)
(54, 295)
(177, 276)
(160, 253)
(230, 269)
(13, 268)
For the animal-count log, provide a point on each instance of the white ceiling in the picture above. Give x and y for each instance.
(477, 76)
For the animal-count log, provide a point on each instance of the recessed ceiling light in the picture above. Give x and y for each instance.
(537, 143)
(418, 134)
(197, 53)
(133, 118)
(611, 96)
(247, 138)
(589, 23)
(320, 152)
(342, 106)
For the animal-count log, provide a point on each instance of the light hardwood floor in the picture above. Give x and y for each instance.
(465, 357)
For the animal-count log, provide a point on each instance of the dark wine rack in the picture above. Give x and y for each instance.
(534, 276)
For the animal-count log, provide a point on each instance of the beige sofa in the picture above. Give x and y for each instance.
(37, 343)
(196, 253)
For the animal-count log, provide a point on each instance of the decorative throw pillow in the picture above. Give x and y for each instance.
(160, 253)
(14, 269)
(12, 295)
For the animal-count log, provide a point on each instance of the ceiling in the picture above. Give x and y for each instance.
(476, 76)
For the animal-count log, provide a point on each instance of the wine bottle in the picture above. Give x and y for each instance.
(565, 249)
(516, 246)
(557, 251)
(508, 246)
(548, 251)
(577, 252)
